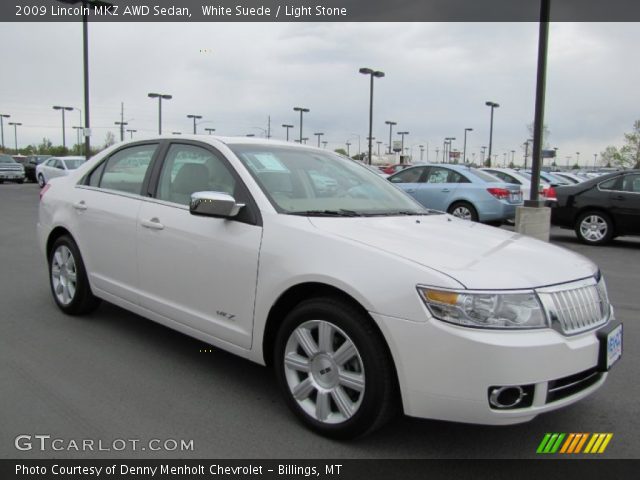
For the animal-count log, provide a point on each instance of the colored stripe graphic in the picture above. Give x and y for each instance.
(573, 443)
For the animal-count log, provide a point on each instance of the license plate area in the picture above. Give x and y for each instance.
(610, 346)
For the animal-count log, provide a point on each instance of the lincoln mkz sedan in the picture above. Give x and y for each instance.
(364, 302)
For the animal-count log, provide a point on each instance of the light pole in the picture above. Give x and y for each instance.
(379, 143)
(464, 148)
(122, 125)
(131, 132)
(160, 97)
(318, 134)
(348, 151)
(209, 130)
(421, 151)
(577, 158)
(492, 105)
(372, 74)
(2, 117)
(62, 109)
(305, 140)
(391, 124)
(447, 149)
(15, 133)
(324, 144)
(287, 127)
(195, 117)
(77, 129)
(302, 111)
(402, 134)
(595, 160)
(513, 157)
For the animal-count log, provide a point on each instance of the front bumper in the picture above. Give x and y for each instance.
(12, 176)
(445, 372)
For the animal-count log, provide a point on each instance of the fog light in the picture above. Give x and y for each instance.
(508, 397)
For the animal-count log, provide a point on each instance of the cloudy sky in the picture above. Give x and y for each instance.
(438, 77)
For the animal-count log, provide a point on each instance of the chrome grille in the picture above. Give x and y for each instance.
(576, 307)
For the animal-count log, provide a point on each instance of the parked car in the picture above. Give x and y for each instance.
(600, 209)
(30, 166)
(571, 177)
(10, 170)
(509, 175)
(362, 301)
(462, 191)
(395, 168)
(56, 167)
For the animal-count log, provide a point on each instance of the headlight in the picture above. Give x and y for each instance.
(504, 310)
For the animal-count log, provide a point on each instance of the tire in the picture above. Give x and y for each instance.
(594, 228)
(41, 181)
(65, 264)
(358, 390)
(20, 181)
(463, 210)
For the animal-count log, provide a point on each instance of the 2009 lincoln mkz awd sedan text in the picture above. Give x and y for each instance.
(363, 301)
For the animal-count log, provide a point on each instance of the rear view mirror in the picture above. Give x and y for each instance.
(214, 204)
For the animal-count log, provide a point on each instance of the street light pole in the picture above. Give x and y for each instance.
(421, 152)
(195, 117)
(62, 109)
(377, 74)
(402, 134)
(318, 134)
(122, 125)
(302, 110)
(209, 130)
(464, 148)
(15, 133)
(77, 129)
(379, 143)
(348, 151)
(160, 97)
(492, 105)
(131, 132)
(2, 117)
(391, 124)
(287, 127)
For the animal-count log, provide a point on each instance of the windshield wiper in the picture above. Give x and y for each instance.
(327, 213)
(408, 213)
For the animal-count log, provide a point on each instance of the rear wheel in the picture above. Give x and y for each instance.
(463, 210)
(68, 278)
(594, 228)
(334, 369)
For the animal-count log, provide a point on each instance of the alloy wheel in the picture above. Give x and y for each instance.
(63, 275)
(593, 228)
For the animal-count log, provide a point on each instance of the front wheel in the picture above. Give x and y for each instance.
(334, 369)
(594, 228)
(41, 181)
(463, 210)
(68, 278)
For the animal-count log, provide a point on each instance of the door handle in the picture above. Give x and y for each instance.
(153, 224)
(445, 190)
(411, 190)
(80, 205)
(619, 197)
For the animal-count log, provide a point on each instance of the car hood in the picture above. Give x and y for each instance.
(476, 255)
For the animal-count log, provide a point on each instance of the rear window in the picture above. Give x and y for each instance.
(484, 176)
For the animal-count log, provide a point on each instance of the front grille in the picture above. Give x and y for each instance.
(567, 386)
(576, 307)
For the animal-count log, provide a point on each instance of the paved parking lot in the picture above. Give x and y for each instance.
(114, 375)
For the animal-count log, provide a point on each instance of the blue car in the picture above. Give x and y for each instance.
(461, 191)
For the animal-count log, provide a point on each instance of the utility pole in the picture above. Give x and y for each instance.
(122, 123)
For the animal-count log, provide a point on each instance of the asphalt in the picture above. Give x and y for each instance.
(114, 375)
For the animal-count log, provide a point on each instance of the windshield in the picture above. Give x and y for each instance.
(298, 181)
(6, 159)
(72, 164)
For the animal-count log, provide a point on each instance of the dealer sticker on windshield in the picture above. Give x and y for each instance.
(614, 346)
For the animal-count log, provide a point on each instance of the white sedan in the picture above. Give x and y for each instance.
(363, 301)
(510, 175)
(56, 167)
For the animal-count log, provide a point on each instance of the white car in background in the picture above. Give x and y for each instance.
(56, 167)
(363, 301)
(510, 175)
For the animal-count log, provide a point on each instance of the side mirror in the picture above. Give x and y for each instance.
(214, 204)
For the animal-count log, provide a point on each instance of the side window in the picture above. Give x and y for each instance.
(631, 183)
(609, 184)
(125, 170)
(188, 169)
(94, 177)
(59, 165)
(51, 162)
(409, 175)
(455, 177)
(439, 175)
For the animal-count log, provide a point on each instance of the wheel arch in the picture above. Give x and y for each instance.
(54, 235)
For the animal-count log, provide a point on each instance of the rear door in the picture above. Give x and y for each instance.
(106, 206)
(439, 187)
